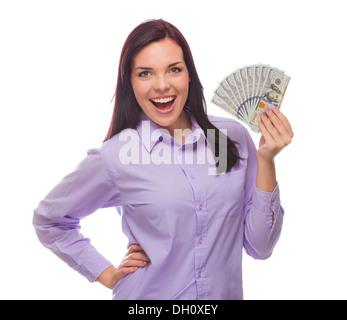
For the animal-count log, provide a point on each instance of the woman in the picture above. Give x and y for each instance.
(192, 189)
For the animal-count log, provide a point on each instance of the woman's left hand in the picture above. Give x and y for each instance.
(276, 133)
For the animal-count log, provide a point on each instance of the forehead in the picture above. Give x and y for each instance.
(159, 54)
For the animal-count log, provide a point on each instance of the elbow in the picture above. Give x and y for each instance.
(39, 226)
(38, 221)
(260, 255)
(51, 230)
(258, 252)
(264, 255)
(45, 229)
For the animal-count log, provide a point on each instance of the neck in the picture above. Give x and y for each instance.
(182, 128)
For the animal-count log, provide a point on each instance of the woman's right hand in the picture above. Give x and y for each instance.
(134, 259)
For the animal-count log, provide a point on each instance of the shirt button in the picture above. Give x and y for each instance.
(192, 176)
(200, 241)
(199, 274)
(201, 207)
(160, 138)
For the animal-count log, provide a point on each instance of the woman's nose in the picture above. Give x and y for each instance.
(162, 84)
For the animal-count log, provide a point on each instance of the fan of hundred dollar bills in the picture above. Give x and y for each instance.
(246, 92)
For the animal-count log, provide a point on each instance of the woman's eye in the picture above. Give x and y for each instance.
(144, 74)
(175, 70)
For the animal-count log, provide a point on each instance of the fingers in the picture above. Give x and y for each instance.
(277, 125)
(268, 128)
(136, 252)
(283, 120)
(272, 123)
(135, 258)
(134, 263)
(265, 133)
(277, 133)
(134, 247)
(123, 271)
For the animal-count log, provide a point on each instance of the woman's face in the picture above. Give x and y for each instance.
(160, 82)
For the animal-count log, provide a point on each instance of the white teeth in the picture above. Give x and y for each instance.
(163, 100)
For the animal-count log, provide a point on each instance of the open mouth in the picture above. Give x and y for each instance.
(164, 103)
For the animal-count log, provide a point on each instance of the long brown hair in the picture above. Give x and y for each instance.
(126, 112)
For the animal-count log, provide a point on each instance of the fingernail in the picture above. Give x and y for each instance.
(274, 107)
(267, 109)
(263, 114)
(144, 262)
(135, 268)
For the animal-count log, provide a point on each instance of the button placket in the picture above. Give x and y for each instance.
(200, 249)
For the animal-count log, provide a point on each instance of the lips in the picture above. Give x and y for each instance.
(164, 104)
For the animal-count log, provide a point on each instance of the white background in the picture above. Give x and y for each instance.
(58, 70)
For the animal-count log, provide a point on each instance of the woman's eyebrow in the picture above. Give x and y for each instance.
(169, 66)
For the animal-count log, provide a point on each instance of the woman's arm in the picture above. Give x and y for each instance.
(57, 218)
(263, 211)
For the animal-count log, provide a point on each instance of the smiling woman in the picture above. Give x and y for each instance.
(186, 224)
(164, 104)
(164, 84)
(155, 62)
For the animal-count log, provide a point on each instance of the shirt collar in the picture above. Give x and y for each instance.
(150, 133)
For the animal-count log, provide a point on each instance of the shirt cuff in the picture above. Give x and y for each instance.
(94, 266)
(266, 201)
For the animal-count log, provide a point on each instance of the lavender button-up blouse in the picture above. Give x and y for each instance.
(192, 223)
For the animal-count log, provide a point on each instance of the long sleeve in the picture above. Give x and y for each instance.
(263, 214)
(56, 219)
